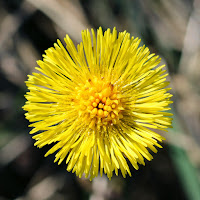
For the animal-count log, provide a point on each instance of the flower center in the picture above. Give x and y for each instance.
(98, 103)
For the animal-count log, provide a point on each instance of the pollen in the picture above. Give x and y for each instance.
(98, 103)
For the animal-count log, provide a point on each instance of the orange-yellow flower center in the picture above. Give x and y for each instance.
(98, 103)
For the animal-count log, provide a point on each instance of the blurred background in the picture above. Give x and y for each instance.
(169, 28)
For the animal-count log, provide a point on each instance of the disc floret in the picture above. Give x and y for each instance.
(98, 103)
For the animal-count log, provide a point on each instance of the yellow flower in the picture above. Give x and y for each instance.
(99, 103)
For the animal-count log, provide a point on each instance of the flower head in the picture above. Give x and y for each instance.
(99, 103)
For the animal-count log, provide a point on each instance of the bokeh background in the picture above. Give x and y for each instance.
(170, 28)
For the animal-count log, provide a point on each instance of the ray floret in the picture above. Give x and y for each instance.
(99, 104)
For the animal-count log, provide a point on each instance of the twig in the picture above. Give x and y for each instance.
(12, 23)
(63, 13)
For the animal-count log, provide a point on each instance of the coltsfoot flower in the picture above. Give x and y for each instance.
(99, 104)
